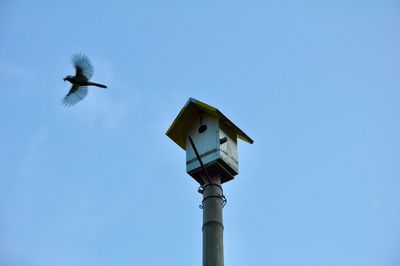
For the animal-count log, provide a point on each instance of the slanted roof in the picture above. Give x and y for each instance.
(179, 128)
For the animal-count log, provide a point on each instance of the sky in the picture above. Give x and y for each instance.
(314, 83)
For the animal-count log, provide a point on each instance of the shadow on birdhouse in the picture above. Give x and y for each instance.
(215, 137)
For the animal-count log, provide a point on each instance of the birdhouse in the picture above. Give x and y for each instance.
(214, 136)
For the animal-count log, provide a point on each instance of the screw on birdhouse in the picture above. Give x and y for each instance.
(200, 190)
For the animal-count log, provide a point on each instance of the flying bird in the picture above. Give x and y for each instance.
(80, 82)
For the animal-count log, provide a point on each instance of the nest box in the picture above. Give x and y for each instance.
(214, 136)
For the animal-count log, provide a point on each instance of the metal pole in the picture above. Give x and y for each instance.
(213, 228)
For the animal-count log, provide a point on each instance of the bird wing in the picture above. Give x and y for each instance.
(83, 66)
(75, 94)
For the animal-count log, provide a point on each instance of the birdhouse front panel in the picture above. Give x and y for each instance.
(204, 132)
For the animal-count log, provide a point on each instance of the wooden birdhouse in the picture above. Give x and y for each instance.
(215, 137)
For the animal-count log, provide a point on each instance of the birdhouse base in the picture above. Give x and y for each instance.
(217, 168)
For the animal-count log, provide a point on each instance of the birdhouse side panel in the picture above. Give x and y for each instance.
(228, 147)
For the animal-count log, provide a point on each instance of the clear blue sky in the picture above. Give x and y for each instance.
(316, 85)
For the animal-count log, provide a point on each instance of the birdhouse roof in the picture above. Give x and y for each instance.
(182, 123)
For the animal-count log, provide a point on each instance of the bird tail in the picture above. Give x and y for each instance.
(97, 84)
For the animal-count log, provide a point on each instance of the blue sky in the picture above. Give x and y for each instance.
(315, 84)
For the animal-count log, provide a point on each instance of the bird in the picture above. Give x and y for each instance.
(80, 82)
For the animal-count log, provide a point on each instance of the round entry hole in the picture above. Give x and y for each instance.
(202, 128)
